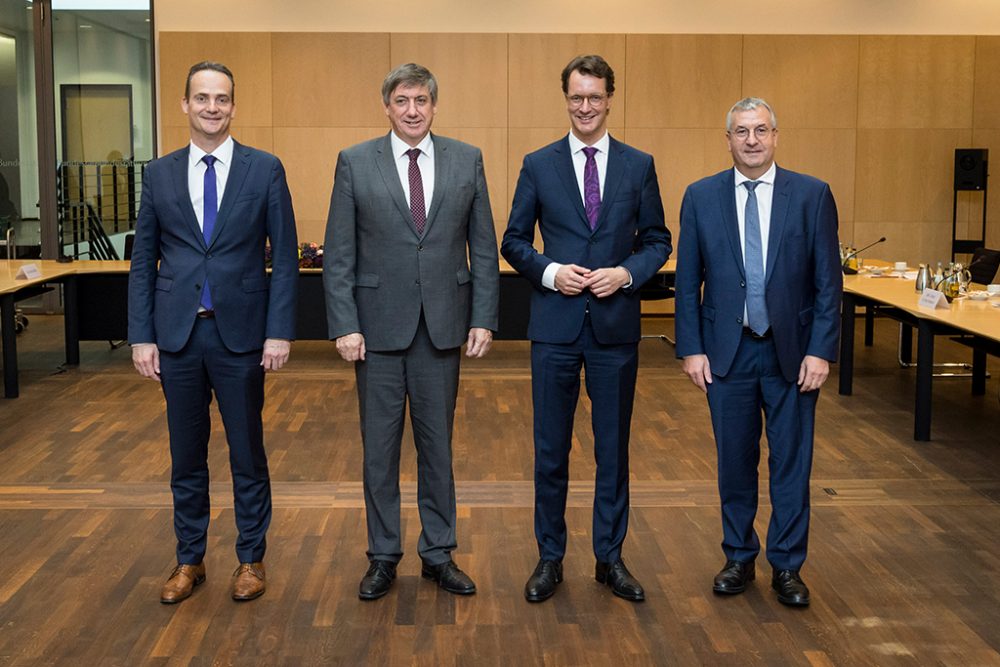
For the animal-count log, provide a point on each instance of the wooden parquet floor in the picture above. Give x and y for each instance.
(904, 561)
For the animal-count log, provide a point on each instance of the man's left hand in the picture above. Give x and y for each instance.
(276, 353)
(479, 342)
(813, 373)
(605, 282)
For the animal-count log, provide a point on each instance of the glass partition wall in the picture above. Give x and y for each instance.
(19, 165)
(78, 124)
(103, 94)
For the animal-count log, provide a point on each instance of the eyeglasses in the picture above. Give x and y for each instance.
(595, 100)
(743, 133)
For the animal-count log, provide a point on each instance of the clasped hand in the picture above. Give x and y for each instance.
(572, 280)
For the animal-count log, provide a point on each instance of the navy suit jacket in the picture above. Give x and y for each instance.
(803, 280)
(171, 260)
(629, 233)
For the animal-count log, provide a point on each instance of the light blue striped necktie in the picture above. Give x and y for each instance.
(753, 261)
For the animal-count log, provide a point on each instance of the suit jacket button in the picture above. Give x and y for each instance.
(740, 320)
(417, 281)
(420, 247)
(197, 288)
(742, 284)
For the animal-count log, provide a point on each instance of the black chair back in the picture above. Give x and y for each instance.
(129, 243)
(984, 265)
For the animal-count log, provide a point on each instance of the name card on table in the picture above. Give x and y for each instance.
(28, 272)
(932, 298)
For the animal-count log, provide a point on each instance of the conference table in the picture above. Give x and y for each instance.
(978, 322)
(49, 274)
(95, 304)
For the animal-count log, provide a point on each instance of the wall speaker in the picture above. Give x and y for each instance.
(971, 168)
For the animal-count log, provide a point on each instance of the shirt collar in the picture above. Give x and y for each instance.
(602, 144)
(399, 147)
(766, 177)
(224, 153)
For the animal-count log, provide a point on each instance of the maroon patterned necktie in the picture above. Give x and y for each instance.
(417, 209)
(591, 187)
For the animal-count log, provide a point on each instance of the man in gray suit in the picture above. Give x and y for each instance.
(411, 272)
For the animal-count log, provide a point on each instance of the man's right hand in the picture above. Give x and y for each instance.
(570, 279)
(146, 359)
(697, 368)
(351, 347)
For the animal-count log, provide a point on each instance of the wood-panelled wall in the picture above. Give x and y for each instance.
(878, 117)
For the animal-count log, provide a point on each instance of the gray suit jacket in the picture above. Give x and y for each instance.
(378, 274)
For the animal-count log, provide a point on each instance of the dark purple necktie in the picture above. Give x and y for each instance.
(417, 209)
(591, 187)
(211, 209)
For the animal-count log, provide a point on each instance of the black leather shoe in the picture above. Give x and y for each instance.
(733, 577)
(449, 577)
(543, 581)
(621, 581)
(791, 590)
(377, 580)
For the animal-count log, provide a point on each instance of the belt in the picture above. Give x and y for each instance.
(747, 331)
(206, 314)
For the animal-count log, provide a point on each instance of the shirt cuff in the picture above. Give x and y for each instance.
(629, 283)
(549, 276)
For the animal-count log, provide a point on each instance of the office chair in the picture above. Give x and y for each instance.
(658, 288)
(984, 265)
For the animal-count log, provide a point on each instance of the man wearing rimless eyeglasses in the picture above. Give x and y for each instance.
(758, 323)
(597, 205)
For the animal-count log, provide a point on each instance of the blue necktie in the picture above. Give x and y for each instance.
(211, 203)
(753, 261)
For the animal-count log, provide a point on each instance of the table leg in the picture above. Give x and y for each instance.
(869, 325)
(71, 321)
(905, 345)
(9, 335)
(847, 318)
(925, 375)
(978, 372)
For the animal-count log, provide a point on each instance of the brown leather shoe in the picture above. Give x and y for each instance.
(181, 583)
(249, 582)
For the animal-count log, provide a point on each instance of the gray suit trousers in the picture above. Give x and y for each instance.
(428, 378)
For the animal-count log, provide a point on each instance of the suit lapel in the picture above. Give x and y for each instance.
(779, 212)
(385, 161)
(238, 171)
(179, 171)
(567, 174)
(442, 177)
(613, 177)
(730, 223)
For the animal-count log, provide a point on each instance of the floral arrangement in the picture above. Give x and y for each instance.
(310, 256)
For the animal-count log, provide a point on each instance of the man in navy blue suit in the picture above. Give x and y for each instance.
(204, 318)
(597, 205)
(758, 322)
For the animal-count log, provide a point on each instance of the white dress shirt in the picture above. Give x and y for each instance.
(425, 161)
(579, 164)
(196, 176)
(765, 194)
